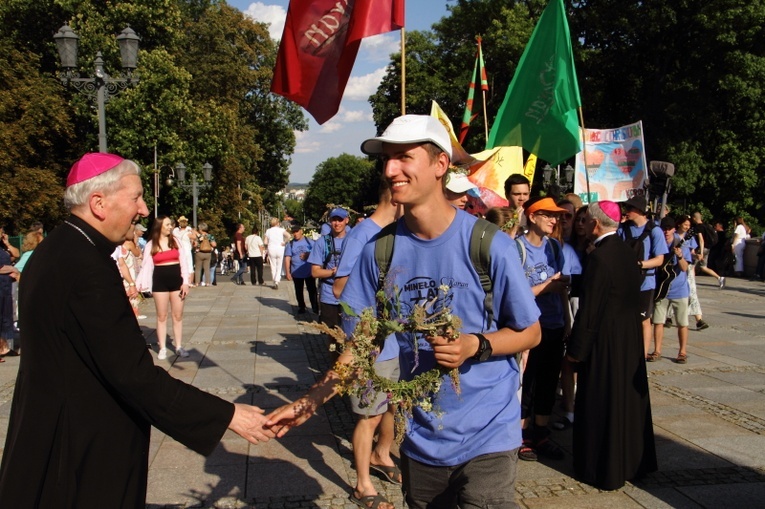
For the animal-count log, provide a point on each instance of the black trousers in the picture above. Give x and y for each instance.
(310, 284)
(256, 269)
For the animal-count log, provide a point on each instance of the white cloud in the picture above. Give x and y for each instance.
(304, 144)
(380, 47)
(361, 87)
(332, 126)
(275, 15)
(356, 116)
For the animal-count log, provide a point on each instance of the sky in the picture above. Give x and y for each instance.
(353, 123)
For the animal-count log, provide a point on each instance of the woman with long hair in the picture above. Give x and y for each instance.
(683, 229)
(740, 234)
(165, 273)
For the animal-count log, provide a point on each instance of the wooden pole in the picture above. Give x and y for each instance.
(584, 154)
(403, 72)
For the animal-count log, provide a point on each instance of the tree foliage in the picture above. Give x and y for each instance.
(344, 180)
(693, 73)
(203, 96)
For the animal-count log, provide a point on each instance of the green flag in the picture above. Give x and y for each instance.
(539, 112)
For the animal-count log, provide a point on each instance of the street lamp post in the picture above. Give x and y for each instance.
(552, 179)
(180, 170)
(101, 86)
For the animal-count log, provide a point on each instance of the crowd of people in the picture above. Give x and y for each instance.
(550, 293)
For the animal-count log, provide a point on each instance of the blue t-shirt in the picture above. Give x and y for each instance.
(299, 251)
(571, 262)
(679, 287)
(485, 417)
(541, 264)
(653, 245)
(354, 243)
(321, 253)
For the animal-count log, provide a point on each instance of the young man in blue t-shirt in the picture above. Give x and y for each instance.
(654, 249)
(465, 453)
(298, 270)
(324, 260)
(677, 296)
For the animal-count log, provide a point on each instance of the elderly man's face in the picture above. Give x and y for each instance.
(123, 208)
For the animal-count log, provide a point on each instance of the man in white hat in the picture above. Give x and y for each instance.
(458, 186)
(465, 454)
(87, 391)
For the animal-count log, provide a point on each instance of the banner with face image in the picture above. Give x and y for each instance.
(616, 164)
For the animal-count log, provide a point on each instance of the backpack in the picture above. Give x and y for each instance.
(709, 234)
(552, 244)
(329, 250)
(636, 243)
(480, 241)
(204, 244)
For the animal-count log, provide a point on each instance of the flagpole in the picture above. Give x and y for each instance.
(403, 72)
(584, 154)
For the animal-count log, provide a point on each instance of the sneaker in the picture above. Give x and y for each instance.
(141, 317)
(276, 286)
(182, 352)
(301, 311)
(701, 325)
(722, 282)
(162, 355)
(668, 323)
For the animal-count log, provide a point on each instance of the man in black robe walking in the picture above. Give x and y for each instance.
(613, 431)
(87, 390)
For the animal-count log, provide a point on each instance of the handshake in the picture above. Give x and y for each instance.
(251, 423)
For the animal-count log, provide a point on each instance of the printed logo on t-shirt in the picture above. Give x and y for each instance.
(539, 273)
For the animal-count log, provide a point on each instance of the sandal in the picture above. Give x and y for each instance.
(370, 501)
(653, 357)
(526, 452)
(681, 358)
(390, 474)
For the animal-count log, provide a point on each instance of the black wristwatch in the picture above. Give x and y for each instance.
(484, 348)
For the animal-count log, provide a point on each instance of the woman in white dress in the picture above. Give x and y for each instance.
(740, 234)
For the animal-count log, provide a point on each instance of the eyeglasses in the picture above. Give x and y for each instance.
(548, 215)
(336, 219)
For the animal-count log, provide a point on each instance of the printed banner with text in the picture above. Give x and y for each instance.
(616, 164)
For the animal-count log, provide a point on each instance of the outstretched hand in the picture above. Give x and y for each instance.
(248, 422)
(289, 416)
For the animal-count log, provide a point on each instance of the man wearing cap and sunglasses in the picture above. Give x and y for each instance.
(325, 258)
(466, 454)
(87, 391)
(654, 249)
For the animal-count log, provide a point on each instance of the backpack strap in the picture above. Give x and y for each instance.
(329, 246)
(480, 244)
(521, 251)
(384, 251)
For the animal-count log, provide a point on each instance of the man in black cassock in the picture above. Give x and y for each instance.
(87, 390)
(613, 431)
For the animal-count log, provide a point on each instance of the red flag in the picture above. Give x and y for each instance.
(479, 72)
(319, 45)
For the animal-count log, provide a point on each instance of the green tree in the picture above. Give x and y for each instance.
(343, 180)
(692, 73)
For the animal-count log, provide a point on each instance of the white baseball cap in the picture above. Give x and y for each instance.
(411, 129)
(459, 183)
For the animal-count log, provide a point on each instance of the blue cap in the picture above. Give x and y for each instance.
(338, 212)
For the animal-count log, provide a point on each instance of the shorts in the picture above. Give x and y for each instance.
(376, 404)
(703, 263)
(166, 278)
(680, 307)
(646, 304)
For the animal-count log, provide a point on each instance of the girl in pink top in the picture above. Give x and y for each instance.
(165, 274)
